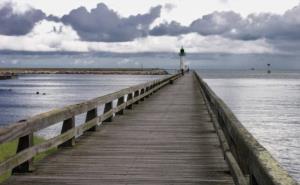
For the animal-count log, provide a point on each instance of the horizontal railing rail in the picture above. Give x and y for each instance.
(23, 131)
(247, 158)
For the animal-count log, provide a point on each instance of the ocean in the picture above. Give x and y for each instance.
(268, 106)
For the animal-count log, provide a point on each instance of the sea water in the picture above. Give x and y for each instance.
(268, 105)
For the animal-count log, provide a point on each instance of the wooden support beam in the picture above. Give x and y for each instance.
(136, 94)
(142, 92)
(129, 97)
(67, 125)
(25, 142)
(92, 114)
(147, 89)
(108, 107)
(120, 102)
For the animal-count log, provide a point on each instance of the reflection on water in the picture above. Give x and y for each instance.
(268, 106)
(19, 99)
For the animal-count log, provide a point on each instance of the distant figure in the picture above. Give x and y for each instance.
(37, 92)
(269, 70)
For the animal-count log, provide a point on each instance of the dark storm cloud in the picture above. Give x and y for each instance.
(104, 24)
(216, 23)
(271, 26)
(12, 23)
(173, 28)
(232, 25)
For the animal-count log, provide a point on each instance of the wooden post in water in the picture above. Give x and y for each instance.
(24, 143)
(120, 102)
(129, 97)
(67, 125)
(136, 94)
(92, 114)
(108, 107)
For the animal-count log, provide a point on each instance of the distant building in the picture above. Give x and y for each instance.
(182, 53)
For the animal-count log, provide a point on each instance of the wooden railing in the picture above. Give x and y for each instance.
(249, 161)
(23, 131)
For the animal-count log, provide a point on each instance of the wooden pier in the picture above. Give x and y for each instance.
(169, 131)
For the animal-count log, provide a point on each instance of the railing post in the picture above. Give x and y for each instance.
(120, 102)
(142, 92)
(24, 143)
(92, 114)
(108, 107)
(136, 94)
(154, 85)
(129, 97)
(147, 89)
(67, 125)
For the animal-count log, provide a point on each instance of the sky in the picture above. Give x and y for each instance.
(203, 26)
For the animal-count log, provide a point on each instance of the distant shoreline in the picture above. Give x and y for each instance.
(7, 76)
(117, 71)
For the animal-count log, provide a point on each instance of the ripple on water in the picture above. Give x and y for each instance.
(268, 106)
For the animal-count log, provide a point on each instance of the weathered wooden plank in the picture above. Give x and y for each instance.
(108, 107)
(24, 143)
(129, 98)
(68, 125)
(92, 114)
(121, 100)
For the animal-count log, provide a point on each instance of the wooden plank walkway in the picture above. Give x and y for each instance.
(167, 139)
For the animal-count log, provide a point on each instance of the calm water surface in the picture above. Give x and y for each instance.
(18, 98)
(269, 107)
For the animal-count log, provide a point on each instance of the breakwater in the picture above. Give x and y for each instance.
(117, 71)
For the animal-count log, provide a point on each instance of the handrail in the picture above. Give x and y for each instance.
(22, 161)
(253, 159)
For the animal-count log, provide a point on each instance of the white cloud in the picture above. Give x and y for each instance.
(44, 38)
(186, 11)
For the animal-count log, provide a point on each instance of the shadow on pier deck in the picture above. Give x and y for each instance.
(169, 138)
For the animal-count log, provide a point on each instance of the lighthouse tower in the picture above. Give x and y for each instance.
(181, 55)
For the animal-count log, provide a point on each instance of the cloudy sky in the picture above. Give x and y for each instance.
(204, 26)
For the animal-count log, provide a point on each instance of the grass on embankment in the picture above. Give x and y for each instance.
(9, 149)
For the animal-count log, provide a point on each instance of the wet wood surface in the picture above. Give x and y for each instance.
(167, 139)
